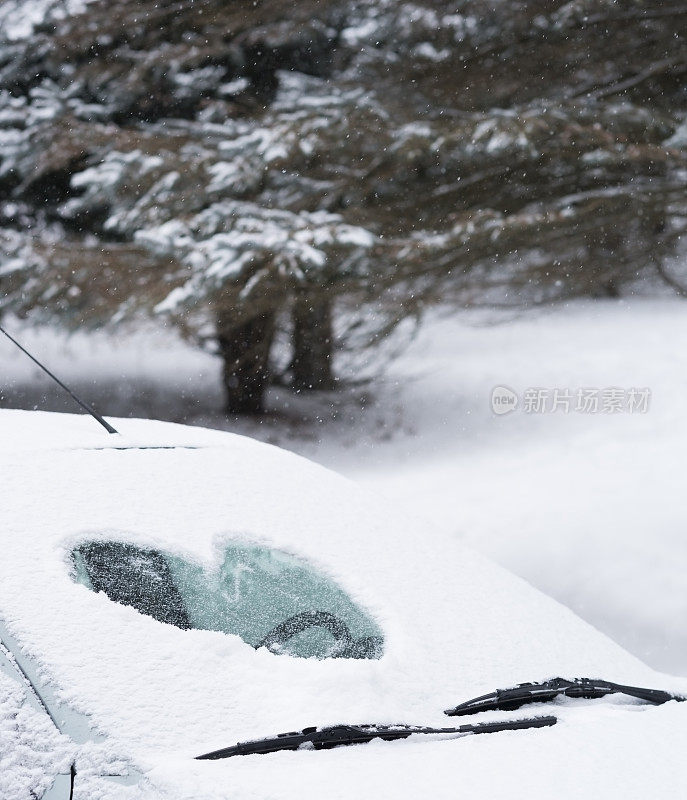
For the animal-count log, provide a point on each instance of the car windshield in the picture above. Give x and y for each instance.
(267, 597)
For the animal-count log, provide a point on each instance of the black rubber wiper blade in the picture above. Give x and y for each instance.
(337, 735)
(524, 693)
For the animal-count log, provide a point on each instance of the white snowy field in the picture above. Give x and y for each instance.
(585, 505)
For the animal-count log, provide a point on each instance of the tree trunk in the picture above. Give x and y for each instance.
(245, 348)
(311, 366)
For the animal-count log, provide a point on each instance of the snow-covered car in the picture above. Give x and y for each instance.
(171, 591)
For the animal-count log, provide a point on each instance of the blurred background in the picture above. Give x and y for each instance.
(339, 226)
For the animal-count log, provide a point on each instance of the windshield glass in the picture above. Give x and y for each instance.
(267, 597)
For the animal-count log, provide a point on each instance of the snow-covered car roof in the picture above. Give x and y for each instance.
(454, 626)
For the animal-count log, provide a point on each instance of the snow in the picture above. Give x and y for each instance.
(18, 18)
(224, 174)
(455, 625)
(226, 239)
(32, 751)
(428, 51)
(587, 507)
(235, 86)
(581, 758)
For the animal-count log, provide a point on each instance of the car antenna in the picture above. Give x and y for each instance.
(83, 405)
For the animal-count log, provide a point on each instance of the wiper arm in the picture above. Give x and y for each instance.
(510, 699)
(336, 735)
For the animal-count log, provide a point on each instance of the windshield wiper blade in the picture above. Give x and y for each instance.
(336, 735)
(510, 699)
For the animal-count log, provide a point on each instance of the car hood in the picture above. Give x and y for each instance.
(455, 625)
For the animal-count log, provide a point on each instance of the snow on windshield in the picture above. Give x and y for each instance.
(267, 597)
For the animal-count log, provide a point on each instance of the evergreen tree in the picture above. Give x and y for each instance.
(251, 167)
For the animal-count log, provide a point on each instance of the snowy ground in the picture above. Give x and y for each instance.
(586, 506)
